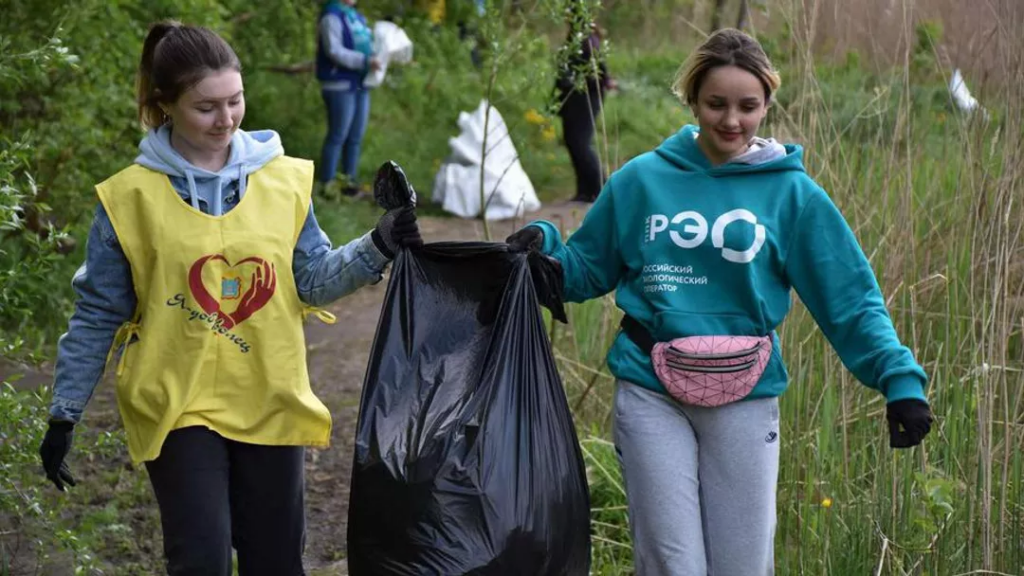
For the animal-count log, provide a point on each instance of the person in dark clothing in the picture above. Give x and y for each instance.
(580, 104)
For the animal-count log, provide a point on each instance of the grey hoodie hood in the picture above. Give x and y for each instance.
(760, 151)
(250, 151)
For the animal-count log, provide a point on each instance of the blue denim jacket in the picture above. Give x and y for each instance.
(106, 297)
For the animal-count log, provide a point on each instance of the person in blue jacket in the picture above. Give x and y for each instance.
(702, 240)
(344, 56)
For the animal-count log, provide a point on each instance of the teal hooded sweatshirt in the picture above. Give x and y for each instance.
(699, 250)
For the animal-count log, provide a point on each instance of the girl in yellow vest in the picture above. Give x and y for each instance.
(203, 258)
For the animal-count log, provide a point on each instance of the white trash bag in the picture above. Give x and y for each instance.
(509, 192)
(390, 45)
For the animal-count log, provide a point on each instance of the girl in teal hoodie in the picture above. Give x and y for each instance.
(702, 240)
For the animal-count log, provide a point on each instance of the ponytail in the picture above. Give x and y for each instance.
(147, 95)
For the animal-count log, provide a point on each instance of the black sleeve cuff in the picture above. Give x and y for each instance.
(378, 241)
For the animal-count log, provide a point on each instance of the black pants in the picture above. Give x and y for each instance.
(215, 494)
(578, 125)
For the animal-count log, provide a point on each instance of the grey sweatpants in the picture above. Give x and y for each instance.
(700, 483)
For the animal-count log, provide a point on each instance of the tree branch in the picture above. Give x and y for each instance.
(291, 69)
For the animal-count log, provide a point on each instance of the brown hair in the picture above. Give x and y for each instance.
(176, 57)
(726, 47)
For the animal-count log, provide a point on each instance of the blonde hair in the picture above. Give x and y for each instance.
(726, 47)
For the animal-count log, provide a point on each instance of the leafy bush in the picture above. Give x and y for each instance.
(35, 533)
(30, 253)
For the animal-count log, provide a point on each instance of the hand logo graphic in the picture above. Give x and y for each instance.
(262, 285)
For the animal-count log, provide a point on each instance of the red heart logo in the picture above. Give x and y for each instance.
(261, 288)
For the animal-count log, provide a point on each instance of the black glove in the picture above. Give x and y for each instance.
(54, 448)
(529, 238)
(916, 419)
(391, 187)
(397, 229)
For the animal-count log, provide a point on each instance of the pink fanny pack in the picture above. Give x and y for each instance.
(704, 370)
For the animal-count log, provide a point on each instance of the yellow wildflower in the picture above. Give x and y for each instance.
(534, 117)
(826, 503)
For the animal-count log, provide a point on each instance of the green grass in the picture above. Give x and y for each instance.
(345, 219)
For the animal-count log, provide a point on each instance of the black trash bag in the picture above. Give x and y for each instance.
(466, 459)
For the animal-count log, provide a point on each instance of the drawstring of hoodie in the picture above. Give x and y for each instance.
(217, 205)
(218, 199)
(192, 192)
(241, 182)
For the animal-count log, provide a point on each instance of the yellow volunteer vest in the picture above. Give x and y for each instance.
(217, 340)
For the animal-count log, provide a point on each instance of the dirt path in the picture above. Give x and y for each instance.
(337, 357)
